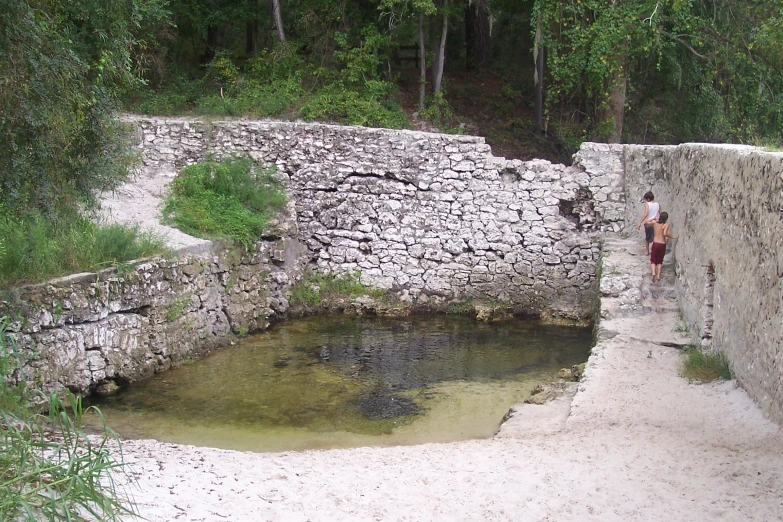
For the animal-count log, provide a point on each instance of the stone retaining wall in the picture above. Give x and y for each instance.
(432, 217)
(87, 330)
(726, 202)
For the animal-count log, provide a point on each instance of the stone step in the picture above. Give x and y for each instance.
(660, 305)
(658, 292)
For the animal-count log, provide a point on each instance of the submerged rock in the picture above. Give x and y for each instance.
(107, 389)
(572, 374)
(383, 405)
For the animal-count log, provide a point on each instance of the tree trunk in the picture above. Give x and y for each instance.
(278, 20)
(209, 51)
(538, 57)
(470, 35)
(435, 42)
(422, 63)
(441, 55)
(477, 33)
(614, 114)
(252, 29)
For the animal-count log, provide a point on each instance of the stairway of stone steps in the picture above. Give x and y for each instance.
(661, 295)
(626, 286)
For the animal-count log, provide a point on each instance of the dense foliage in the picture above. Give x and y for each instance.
(61, 67)
(691, 70)
(35, 247)
(229, 199)
(647, 71)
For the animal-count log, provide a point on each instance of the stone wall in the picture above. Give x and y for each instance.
(89, 330)
(432, 217)
(726, 202)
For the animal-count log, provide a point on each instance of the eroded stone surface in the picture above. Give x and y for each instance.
(84, 331)
(430, 217)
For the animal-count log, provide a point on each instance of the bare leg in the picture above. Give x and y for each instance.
(652, 269)
(646, 248)
(658, 272)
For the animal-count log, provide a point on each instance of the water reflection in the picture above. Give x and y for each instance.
(345, 381)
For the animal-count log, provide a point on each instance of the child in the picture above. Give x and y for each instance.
(660, 233)
(651, 212)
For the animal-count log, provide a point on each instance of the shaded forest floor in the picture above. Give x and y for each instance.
(487, 105)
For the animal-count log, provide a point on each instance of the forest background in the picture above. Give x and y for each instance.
(535, 77)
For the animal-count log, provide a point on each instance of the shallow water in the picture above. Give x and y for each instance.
(339, 381)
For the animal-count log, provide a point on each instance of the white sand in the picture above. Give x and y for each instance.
(140, 201)
(640, 443)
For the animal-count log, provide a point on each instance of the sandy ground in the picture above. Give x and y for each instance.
(636, 442)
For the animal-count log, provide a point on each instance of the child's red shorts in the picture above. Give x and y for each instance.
(656, 253)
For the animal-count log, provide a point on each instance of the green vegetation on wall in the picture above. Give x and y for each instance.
(704, 366)
(316, 289)
(231, 199)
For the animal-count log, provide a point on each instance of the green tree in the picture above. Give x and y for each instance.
(62, 65)
(713, 69)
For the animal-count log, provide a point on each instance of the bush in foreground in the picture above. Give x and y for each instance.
(49, 469)
(224, 200)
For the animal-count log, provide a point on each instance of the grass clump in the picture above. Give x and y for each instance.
(35, 247)
(49, 469)
(698, 365)
(177, 308)
(315, 289)
(224, 200)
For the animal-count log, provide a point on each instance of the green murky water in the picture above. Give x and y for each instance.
(339, 381)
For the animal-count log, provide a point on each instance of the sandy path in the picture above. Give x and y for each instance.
(140, 201)
(640, 443)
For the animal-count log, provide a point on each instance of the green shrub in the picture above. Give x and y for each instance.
(698, 365)
(280, 83)
(316, 289)
(352, 107)
(440, 113)
(229, 200)
(37, 247)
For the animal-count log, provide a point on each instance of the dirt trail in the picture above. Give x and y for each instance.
(639, 443)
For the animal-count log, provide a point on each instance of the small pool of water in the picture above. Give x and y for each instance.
(339, 381)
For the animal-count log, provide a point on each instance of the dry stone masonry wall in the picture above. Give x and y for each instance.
(98, 329)
(726, 202)
(431, 217)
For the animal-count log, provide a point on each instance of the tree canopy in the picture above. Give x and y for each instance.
(62, 65)
(649, 71)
